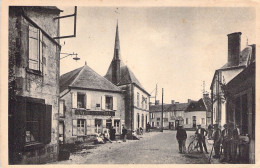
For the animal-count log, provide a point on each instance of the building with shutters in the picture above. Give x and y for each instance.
(237, 61)
(136, 97)
(33, 84)
(89, 104)
(188, 114)
(173, 115)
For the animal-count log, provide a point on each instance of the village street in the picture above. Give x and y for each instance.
(152, 148)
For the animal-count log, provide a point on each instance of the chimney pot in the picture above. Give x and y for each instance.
(189, 100)
(157, 102)
(234, 48)
(173, 101)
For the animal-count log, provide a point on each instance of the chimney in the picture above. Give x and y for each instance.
(176, 102)
(234, 40)
(253, 53)
(157, 102)
(173, 101)
(189, 100)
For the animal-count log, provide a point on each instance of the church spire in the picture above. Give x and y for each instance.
(117, 45)
(116, 60)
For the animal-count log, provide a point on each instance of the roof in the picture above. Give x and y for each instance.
(196, 106)
(86, 78)
(207, 103)
(169, 107)
(247, 56)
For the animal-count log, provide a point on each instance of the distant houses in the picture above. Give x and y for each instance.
(188, 114)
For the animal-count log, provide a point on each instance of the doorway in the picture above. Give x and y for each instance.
(194, 121)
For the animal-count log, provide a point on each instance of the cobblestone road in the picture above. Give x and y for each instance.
(152, 148)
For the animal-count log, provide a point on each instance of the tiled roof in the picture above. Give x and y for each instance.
(169, 107)
(196, 106)
(207, 103)
(86, 78)
(244, 58)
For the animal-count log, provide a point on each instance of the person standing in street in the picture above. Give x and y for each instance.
(226, 143)
(217, 140)
(181, 138)
(235, 143)
(148, 127)
(124, 132)
(201, 134)
(210, 130)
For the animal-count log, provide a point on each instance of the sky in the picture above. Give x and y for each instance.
(176, 48)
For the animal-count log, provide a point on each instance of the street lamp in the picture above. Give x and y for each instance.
(69, 54)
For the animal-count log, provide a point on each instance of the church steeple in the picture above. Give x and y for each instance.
(116, 59)
(117, 45)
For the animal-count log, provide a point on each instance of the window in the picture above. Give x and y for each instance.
(187, 121)
(138, 99)
(158, 119)
(62, 108)
(32, 124)
(81, 100)
(152, 115)
(138, 120)
(109, 102)
(35, 48)
(37, 123)
(143, 101)
(79, 127)
(98, 124)
(202, 120)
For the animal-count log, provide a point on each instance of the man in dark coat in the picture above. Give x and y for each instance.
(181, 137)
(124, 132)
(201, 134)
(235, 142)
(217, 140)
(112, 133)
(226, 135)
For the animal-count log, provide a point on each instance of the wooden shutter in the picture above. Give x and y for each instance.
(114, 103)
(74, 127)
(47, 124)
(74, 99)
(103, 102)
(88, 102)
(18, 123)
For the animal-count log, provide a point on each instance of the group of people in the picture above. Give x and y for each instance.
(108, 135)
(228, 138)
(181, 136)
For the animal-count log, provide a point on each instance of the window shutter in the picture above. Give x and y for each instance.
(114, 103)
(104, 123)
(61, 108)
(74, 99)
(88, 102)
(74, 127)
(19, 122)
(47, 124)
(103, 104)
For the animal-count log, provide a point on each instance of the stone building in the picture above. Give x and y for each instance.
(136, 97)
(33, 84)
(240, 93)
(89, 104)
(173, 115)
(237, 61)
(188, 114)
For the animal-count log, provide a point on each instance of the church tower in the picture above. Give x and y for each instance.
(116, 60)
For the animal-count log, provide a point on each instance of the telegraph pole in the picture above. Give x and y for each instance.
(162, 113)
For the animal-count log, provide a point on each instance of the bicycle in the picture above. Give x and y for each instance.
(194, 144)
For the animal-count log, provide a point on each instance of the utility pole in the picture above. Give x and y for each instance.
(162, 113)
(155, 95)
